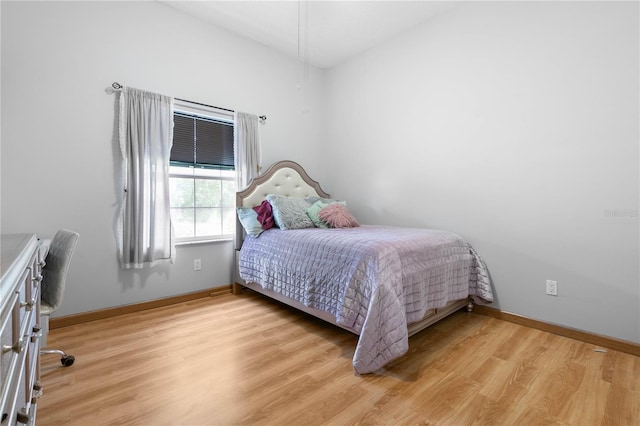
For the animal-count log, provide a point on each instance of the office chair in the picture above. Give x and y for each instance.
(54, 276)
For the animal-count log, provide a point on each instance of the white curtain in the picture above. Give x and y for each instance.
(247, 148)
(146, 136)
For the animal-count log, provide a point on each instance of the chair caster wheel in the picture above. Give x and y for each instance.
(67, 360)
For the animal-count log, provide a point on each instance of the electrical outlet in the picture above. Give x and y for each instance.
(197, 264)
(552, 287)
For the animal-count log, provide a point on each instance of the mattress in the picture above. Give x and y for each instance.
(375, 280)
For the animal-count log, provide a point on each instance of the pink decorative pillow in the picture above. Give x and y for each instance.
(265, 215)
(338, 216)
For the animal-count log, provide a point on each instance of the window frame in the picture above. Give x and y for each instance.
(207, 113)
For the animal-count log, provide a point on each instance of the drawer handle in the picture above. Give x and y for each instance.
(42, 263)
(23, 417)
(29, 304)
(37, 334)
(17, 347)
(37, 389)
(38, 278)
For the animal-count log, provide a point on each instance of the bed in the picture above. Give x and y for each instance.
(381, 283)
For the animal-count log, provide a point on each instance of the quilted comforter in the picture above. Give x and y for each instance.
(374, 279)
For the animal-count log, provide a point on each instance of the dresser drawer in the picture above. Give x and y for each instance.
(32, 387)
(9, 360)
(16, 334)
(20, 334)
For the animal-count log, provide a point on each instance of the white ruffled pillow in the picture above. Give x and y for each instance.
(290, 212)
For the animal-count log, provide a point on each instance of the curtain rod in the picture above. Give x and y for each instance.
(263, 118)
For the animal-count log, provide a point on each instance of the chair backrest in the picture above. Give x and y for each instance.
(54, 272)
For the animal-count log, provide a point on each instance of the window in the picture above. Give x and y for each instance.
(202, 173)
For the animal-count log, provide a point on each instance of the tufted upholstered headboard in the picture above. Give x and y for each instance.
(283, 178)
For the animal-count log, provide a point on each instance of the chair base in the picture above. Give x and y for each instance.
(65, 359)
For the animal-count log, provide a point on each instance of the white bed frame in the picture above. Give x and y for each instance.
(290, 179)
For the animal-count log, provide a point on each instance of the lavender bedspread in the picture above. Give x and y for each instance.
(374, 279)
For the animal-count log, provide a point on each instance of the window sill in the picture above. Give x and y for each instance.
(200, 242)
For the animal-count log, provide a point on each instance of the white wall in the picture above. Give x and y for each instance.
(512, 124)
(58, 153)
(515, 125)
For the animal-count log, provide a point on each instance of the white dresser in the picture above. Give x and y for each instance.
(22, 262)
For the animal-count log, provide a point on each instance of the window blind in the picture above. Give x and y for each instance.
(201, 142)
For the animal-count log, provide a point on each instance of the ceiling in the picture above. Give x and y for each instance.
(321, 33)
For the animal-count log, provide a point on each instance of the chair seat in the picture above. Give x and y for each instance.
(45, 308)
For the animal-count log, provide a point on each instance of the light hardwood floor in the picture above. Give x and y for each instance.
(230, 360)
